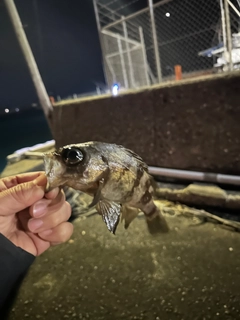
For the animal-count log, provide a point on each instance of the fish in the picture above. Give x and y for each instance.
(116, 177)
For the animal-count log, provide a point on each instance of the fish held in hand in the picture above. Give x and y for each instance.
(116, 177)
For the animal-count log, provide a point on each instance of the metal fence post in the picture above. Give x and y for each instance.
(144, 55)
(28, 55)
(101, 41)
(223, 26)
(234, 8)
(131, 74)
(125, 78)
(229, 35)
(155, 41)
(111, 70)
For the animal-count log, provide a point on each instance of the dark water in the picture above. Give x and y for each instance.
(21, 130)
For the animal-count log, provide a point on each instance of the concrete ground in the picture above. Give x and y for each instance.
(190, 273)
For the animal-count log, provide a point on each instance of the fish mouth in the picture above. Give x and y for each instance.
(54, 171)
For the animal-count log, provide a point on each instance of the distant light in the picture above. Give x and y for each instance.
(115, 89)
(167, 14)
(6, 110)
(17, 109)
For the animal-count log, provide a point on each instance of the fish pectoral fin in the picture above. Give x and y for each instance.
(102, 180)
(110, 212)
(97, 196)
(128, 215)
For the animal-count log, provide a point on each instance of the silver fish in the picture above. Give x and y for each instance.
(116, 177)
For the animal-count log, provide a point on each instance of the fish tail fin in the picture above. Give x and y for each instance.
(155, 221)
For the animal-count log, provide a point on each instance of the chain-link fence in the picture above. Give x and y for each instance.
(147, 42)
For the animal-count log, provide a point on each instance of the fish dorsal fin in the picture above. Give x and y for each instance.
(110, 212)
(136, 156)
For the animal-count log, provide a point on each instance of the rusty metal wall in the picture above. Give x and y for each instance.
(194, 125)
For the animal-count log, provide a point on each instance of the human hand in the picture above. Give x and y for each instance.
(30, 218)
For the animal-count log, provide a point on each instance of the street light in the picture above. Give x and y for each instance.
(115, 89)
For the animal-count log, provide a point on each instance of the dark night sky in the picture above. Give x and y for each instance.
(64, 40)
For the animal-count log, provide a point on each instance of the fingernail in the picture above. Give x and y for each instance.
(39, 208)
(41, 180)
(52, 193)
(46, 233)
(34, 224)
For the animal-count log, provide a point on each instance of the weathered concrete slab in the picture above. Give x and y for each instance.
(193, 124)
(191, 273)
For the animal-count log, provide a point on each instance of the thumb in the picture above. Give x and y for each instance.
(22, 195)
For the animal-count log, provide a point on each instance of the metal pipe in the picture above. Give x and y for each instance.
(109, 9)
(101, 40)
(234, 8)
(134, 15)
(125, 31)
(155, 41)
(28, 55)
(115, 35)
(111, 69)
(114, 13)
(145, 62)
(223, 25)
(229, 34)
(195, 175)
(115, 54)
(151, 75)
(125, 78)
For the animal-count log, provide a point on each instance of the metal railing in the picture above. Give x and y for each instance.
(167, 40)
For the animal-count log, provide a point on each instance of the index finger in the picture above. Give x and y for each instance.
(12, 181)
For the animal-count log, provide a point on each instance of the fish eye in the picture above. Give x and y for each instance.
(72, 156)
